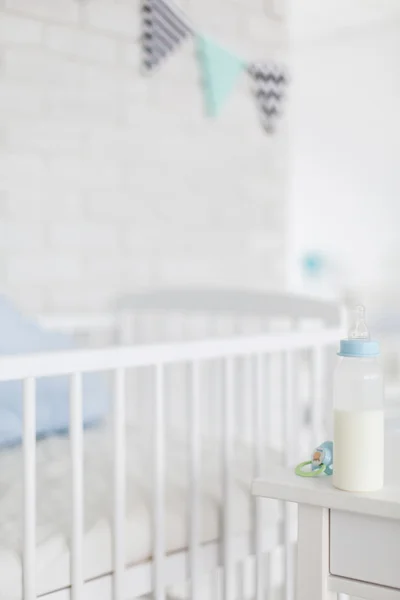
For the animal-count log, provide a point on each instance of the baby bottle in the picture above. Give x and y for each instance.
(358, 439)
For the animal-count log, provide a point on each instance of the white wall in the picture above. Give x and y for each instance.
(346, 154)
(109, 181)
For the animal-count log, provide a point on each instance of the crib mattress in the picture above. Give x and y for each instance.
(54, 504)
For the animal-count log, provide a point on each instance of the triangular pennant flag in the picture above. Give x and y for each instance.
(270, 81)
(163, 29)
(220, 70)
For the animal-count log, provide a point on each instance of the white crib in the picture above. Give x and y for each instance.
(252, 378)
(172, 315)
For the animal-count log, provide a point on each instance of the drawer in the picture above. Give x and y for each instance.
(365, 548)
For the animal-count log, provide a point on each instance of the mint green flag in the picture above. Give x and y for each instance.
(220, 70)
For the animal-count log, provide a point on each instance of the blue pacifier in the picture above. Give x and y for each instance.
(321, 462)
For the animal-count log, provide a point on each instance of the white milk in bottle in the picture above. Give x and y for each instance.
(358, 439)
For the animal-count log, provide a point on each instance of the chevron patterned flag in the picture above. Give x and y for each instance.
(270, 82)
(163, 29)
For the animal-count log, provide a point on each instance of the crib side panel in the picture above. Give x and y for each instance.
(251, 369)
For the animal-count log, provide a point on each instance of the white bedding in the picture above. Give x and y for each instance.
(54, 507)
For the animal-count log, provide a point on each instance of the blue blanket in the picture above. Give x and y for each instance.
(20, 335)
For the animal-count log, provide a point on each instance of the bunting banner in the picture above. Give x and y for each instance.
(220, 70)
(165, 27)
(270, 81)
(163, 30)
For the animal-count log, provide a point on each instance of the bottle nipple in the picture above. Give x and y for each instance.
(360, 330)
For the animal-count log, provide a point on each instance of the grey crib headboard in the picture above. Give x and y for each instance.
(180, 313)
(210, 311)
(235, 301)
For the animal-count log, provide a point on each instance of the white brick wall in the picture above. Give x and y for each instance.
(118, 18)
(81, 44)
(65, 11)
(111, 181)
(18, 30)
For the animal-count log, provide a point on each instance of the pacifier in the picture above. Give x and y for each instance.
(321, 462)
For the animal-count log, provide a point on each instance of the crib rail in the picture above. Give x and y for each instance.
(83, 361)
(158, 356)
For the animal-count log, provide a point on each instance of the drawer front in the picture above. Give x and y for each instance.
(365, 548)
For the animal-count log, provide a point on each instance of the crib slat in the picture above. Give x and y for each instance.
(195, 476)
(288, 421)
(29, 453)
(244, 401)
(119, 483)
(159, 487)
(76, 442)
(258, 418)
(288, 407)
(228, 423)
(258, 423)
(262, 397)
(317, 394)
(241, 580)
